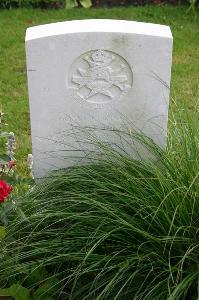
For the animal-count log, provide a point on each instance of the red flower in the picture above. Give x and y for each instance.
(5, 190)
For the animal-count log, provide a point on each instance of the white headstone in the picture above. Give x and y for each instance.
(95, 72)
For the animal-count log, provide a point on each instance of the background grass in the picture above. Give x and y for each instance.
(13, 82)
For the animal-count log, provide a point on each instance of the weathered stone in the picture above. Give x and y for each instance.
(103, 73)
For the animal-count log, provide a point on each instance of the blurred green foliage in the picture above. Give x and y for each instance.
(87, 3)
(45, 3)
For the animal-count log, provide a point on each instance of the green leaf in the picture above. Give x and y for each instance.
(71, 4)
(86, 3)
(5, 292)
(2, 232)
(16, 291)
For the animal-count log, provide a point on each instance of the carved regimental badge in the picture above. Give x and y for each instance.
(100, 76)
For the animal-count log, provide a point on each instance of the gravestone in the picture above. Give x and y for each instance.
(105, 73)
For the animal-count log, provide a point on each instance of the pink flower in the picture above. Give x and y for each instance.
(11, 164)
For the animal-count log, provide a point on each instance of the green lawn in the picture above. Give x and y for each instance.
(13, 82)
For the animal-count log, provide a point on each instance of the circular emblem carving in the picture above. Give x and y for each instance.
(100, 76)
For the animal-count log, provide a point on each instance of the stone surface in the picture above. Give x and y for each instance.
(103, 73)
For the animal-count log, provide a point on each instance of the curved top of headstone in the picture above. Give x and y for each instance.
(97, 25)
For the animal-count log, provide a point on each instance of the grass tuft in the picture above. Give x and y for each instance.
(118, 228)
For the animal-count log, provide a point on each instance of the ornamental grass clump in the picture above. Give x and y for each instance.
(118, 228)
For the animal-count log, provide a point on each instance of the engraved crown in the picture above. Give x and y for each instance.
(101, 56)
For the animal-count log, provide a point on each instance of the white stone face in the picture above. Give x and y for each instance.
(101, 73)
